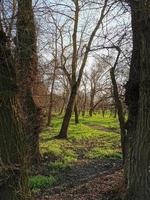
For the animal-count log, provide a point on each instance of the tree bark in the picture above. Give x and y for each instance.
(64, 128)
(139, 157)
(13, 154)
(132, 92)
(27, 72)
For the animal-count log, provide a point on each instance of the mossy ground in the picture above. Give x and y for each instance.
(85, 142)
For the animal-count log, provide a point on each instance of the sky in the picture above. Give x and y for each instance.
(114, 25)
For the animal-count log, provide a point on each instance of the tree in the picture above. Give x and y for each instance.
(138, 98)
(118, 104)
(50, 106)
(84, 83)
(76, 113)
(76, 79)
(27, 72)
(13, 149)
(97, 73)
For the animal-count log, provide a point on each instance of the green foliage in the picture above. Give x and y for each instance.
(58, 165)
(85, 140)
(51, 147)
(60, 150)
(69, 156)
(81, 137)
(39, 182)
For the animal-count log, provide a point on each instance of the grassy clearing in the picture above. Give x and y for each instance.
(84, 142)
(96, 120)
(103, 153)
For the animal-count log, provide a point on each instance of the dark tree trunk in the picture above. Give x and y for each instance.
(64, 128)
(132, 91)
(27, 72)
(115, 112)
(139, 177)
(121, 118)
(91, 112)
(13, 157)
(76, 113)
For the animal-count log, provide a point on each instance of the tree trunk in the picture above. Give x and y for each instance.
(103, 112)
(27, 72)
(84, 104)
(13, 157)
(91, 112)
(49, 119)
(132, 92)
(62, 108)
(64, 128)
(115, 112)
(76, 113)
(51, 99)
(139, 177)
(118, 105)
(91, 106)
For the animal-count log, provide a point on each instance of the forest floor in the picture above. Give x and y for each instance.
(87, 166)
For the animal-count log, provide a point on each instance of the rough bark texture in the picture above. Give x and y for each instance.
(27, 72)
(13, 157)
(132, 90)
(139, 168)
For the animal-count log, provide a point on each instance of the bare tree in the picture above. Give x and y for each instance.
(76, 79)
(97, 73)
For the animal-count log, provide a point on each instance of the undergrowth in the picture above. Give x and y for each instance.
(84, 142)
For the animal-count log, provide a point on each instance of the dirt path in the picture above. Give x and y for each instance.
(103, 187)
(103, 128)
(87, 180)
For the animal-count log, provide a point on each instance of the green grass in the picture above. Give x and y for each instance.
(83, 139)
(96, 120)
(80, 137)
(59, 149)
(40, 182)
(104, 153)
